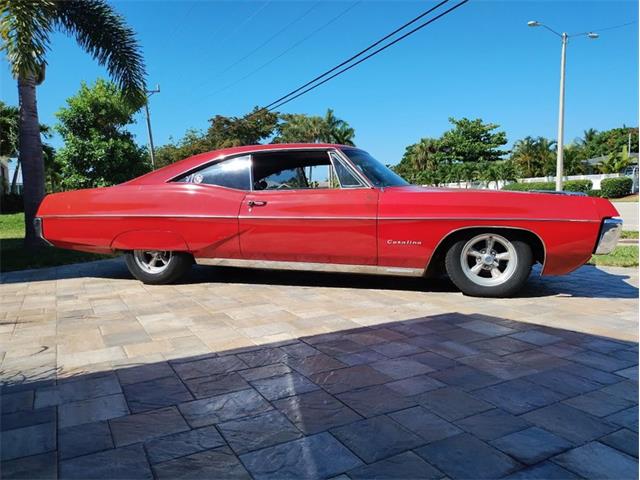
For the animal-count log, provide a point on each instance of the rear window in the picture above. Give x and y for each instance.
(232, 173)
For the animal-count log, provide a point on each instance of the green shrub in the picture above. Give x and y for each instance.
(527, 187)
(594, 193)
(578, 186)
(616, 187)
(11, 203)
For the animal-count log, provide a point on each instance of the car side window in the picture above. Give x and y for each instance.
(232, 173)
(345, 176)
(312, 169)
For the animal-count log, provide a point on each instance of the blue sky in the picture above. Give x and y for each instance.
(480, 61)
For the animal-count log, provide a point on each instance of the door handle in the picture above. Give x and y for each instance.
(256, 203)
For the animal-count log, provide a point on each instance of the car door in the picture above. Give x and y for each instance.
(306, 206)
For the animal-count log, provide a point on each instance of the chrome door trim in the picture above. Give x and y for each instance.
(314, 267)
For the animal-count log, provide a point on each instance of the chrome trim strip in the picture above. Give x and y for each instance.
(37, 225)
(345, 159)
(140, 215)
(222, 157)
(300, 217)
(309, 266)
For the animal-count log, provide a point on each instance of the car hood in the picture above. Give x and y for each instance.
(499, 204)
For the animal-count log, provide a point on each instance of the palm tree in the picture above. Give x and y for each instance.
(588, 136)
(25, 28)
(337, 130)
(533, 156)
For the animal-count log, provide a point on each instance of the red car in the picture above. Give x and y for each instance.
(330, 208)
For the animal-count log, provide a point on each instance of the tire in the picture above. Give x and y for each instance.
(169, 267)
(499, 272)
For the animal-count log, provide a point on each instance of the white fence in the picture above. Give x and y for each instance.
(595, 179)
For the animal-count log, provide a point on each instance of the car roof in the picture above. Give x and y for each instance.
(165, 174)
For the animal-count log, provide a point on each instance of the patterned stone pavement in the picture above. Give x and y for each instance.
(256, 374)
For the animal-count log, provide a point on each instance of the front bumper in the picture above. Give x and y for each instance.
(37, 224)
(609, 234)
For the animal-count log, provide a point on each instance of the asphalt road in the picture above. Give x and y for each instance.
(629, 213)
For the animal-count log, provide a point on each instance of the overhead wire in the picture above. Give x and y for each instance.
(361, 52)
(287, 50)
(288, 98)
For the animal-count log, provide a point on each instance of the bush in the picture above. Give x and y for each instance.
(616, 187)
(11, 203)
(527, 187)
(594, 193)
(569, 186)
(578, 186)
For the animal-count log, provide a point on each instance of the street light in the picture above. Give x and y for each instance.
(565, 38)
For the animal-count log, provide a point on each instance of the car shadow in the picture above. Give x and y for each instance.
(586, 282)
(411, 397)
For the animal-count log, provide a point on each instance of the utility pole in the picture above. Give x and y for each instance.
(560, 154)
(563, 56)
(152, 153)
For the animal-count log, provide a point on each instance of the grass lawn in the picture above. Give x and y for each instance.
(13, 255)
(622, 256)
(629, 234)
(628, 198)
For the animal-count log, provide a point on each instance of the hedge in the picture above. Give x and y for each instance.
(569, 186)
(578, 186)
(616, 187)
(527, 187)
(11, 203)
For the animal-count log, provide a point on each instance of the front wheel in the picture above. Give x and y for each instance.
(489, 265)
(158, 267)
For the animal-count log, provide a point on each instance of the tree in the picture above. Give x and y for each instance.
(534, 157)
(26, 27)
(473, 141)
(616, 162)
(9, 129)
(250, 129)
(98, 150)
(610, 141)
(301, 128)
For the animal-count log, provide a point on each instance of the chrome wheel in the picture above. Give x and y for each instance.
(488, 260)
(154, 262)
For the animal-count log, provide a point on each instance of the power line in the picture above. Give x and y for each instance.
(361, 52)
(267, 41)
(279, 32)
(612, 27)
(277, 104)
(283, 53)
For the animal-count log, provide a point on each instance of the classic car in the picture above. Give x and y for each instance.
(329, 208)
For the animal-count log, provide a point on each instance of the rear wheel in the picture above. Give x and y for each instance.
(489, 265)
(158, 267)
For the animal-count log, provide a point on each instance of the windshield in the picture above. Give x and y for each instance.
(378, 174)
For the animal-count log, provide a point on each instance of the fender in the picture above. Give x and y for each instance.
(149, 240)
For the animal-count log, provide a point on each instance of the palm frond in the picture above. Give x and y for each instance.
(103, 33)
(25, 26)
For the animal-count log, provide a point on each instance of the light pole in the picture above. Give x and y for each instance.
(152, 153)
(563, 56)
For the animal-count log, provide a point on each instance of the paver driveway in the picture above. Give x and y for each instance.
(290, 375)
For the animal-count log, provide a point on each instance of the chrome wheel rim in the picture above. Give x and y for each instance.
(152, 261)
(488, 260)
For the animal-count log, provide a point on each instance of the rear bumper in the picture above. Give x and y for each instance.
(610, 231)
(37, 224)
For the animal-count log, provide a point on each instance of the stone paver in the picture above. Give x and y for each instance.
(377, 438)
(292, 375)
(464, 456)
(595, 460)
(316, 456)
